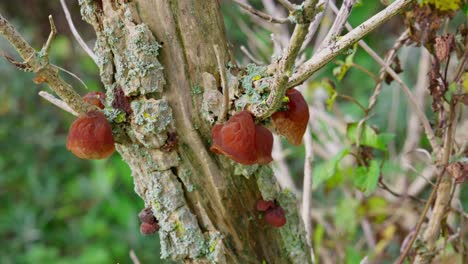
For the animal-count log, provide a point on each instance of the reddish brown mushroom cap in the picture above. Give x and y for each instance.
(236, 138)
(292, 123)
(95, 98)
(243, 141)
(275, 217)
(148, 229)
(263, 144)
(263, 205)
(90, 137)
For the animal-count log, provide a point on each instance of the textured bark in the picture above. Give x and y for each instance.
(160, 53)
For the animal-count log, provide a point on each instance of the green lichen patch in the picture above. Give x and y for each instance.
(255, 84)
(153, 115)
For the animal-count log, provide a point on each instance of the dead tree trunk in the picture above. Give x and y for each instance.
(160, 54)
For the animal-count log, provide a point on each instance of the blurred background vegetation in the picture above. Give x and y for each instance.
(56, 208)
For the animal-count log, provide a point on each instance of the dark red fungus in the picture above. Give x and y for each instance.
(292, 123)
(242, 141)
(90, 137)
(95, 98)
(148, 229)
(263, 205)
(146, 216)
(275, 216)
(121, 101)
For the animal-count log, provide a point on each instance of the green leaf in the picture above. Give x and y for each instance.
(323, 172)
(340, 71)
(368, 136)
(366, 178)
(332, 94)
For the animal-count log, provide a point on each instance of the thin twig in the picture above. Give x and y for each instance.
(53, 32)
(57, 102)
(288, 5)
(250, 56)
(421, 219)
(224, 83)
(282, 172)
(307, 188)
(327, 54)
(134, 257)
(76, 34)
(41, 67)
(442, 202)
(261, 14)
(323, 6)
(339, 23)
(286, 63)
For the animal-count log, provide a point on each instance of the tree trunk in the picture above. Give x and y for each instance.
(160, 54)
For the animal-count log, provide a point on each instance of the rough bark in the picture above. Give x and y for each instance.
(160, 53)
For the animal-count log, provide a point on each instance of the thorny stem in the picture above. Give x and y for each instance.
(36, 63)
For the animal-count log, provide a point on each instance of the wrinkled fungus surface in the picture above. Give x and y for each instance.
(292, 123)
(243, 141)
(90, 137)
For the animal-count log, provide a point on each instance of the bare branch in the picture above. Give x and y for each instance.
(288, 5)
(339, 23)
(249, 55)
(307, 189)
(224, 83)
(286, 63)
(134, 257)
(76, 34)
(315, 24)
(261, 14)
(39, 64)
(57, 102)
(327, 54)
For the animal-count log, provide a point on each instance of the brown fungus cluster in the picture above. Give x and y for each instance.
(149, 224)
(246, 143)
(292, 123)
(243, 141)
(272, 212)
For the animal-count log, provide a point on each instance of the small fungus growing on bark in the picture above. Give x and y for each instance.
(243, 141)
(275, 217)
(95, 98)
(273, 213)
(292, 123)
(149, 224)
(90, 137)
(148, 229)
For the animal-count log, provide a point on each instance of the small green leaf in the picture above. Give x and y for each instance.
(368, 136)
(325, 171)
(366, 178)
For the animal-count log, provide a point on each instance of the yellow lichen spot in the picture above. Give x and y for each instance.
(179, 228)
(444, 5)
(213, 246)
(257, 77)
(465, 82)
(146, 115)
